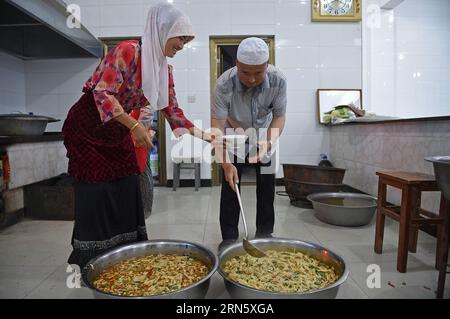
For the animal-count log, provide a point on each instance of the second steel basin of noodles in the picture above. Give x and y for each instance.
(293, 269)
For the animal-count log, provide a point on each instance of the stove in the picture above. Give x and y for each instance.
(24, 164)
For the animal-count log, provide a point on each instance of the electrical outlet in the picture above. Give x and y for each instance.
(191, 98)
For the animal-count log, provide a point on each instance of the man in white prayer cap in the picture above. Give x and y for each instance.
(250, 95)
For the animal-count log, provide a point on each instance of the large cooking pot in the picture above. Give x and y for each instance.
(298, 191)
(153, 247)
(24, 124)
(313, 174)
(239, 291)
(302, 180)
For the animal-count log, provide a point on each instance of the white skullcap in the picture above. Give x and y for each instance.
(253, 51)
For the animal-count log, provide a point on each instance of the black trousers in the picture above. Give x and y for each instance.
(265, 195)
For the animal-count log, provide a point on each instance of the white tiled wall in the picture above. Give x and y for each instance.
(53, 86)
(408, 60)
(379, 63)
(423, 74)
(312, 55)
(12, 84)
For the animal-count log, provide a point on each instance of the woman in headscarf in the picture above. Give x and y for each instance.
(102, 159)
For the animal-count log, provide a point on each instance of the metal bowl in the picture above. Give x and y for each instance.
(239, 291)
(152, 247)
(24, 124)
(344, 209)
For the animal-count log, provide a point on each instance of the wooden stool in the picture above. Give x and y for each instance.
(409, 214)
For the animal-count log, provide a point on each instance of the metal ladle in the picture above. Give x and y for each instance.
(249, 248)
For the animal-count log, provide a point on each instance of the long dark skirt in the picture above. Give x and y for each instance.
(106, 215)
(108, 205)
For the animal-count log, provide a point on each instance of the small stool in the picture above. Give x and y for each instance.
(409, 214)
(180, 163)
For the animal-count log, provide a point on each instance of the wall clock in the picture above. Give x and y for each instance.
(336, 10)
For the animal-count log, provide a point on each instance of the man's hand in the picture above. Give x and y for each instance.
(263, 148)
(141, 137)
(230, 174)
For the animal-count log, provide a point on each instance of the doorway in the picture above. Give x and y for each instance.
(223, 52)
(157, 155)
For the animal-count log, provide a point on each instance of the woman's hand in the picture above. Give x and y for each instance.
(205, 136)
(141, 137)
(208, 137)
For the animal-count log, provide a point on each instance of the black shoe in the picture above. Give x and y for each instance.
(225, 243)
(257, 235)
